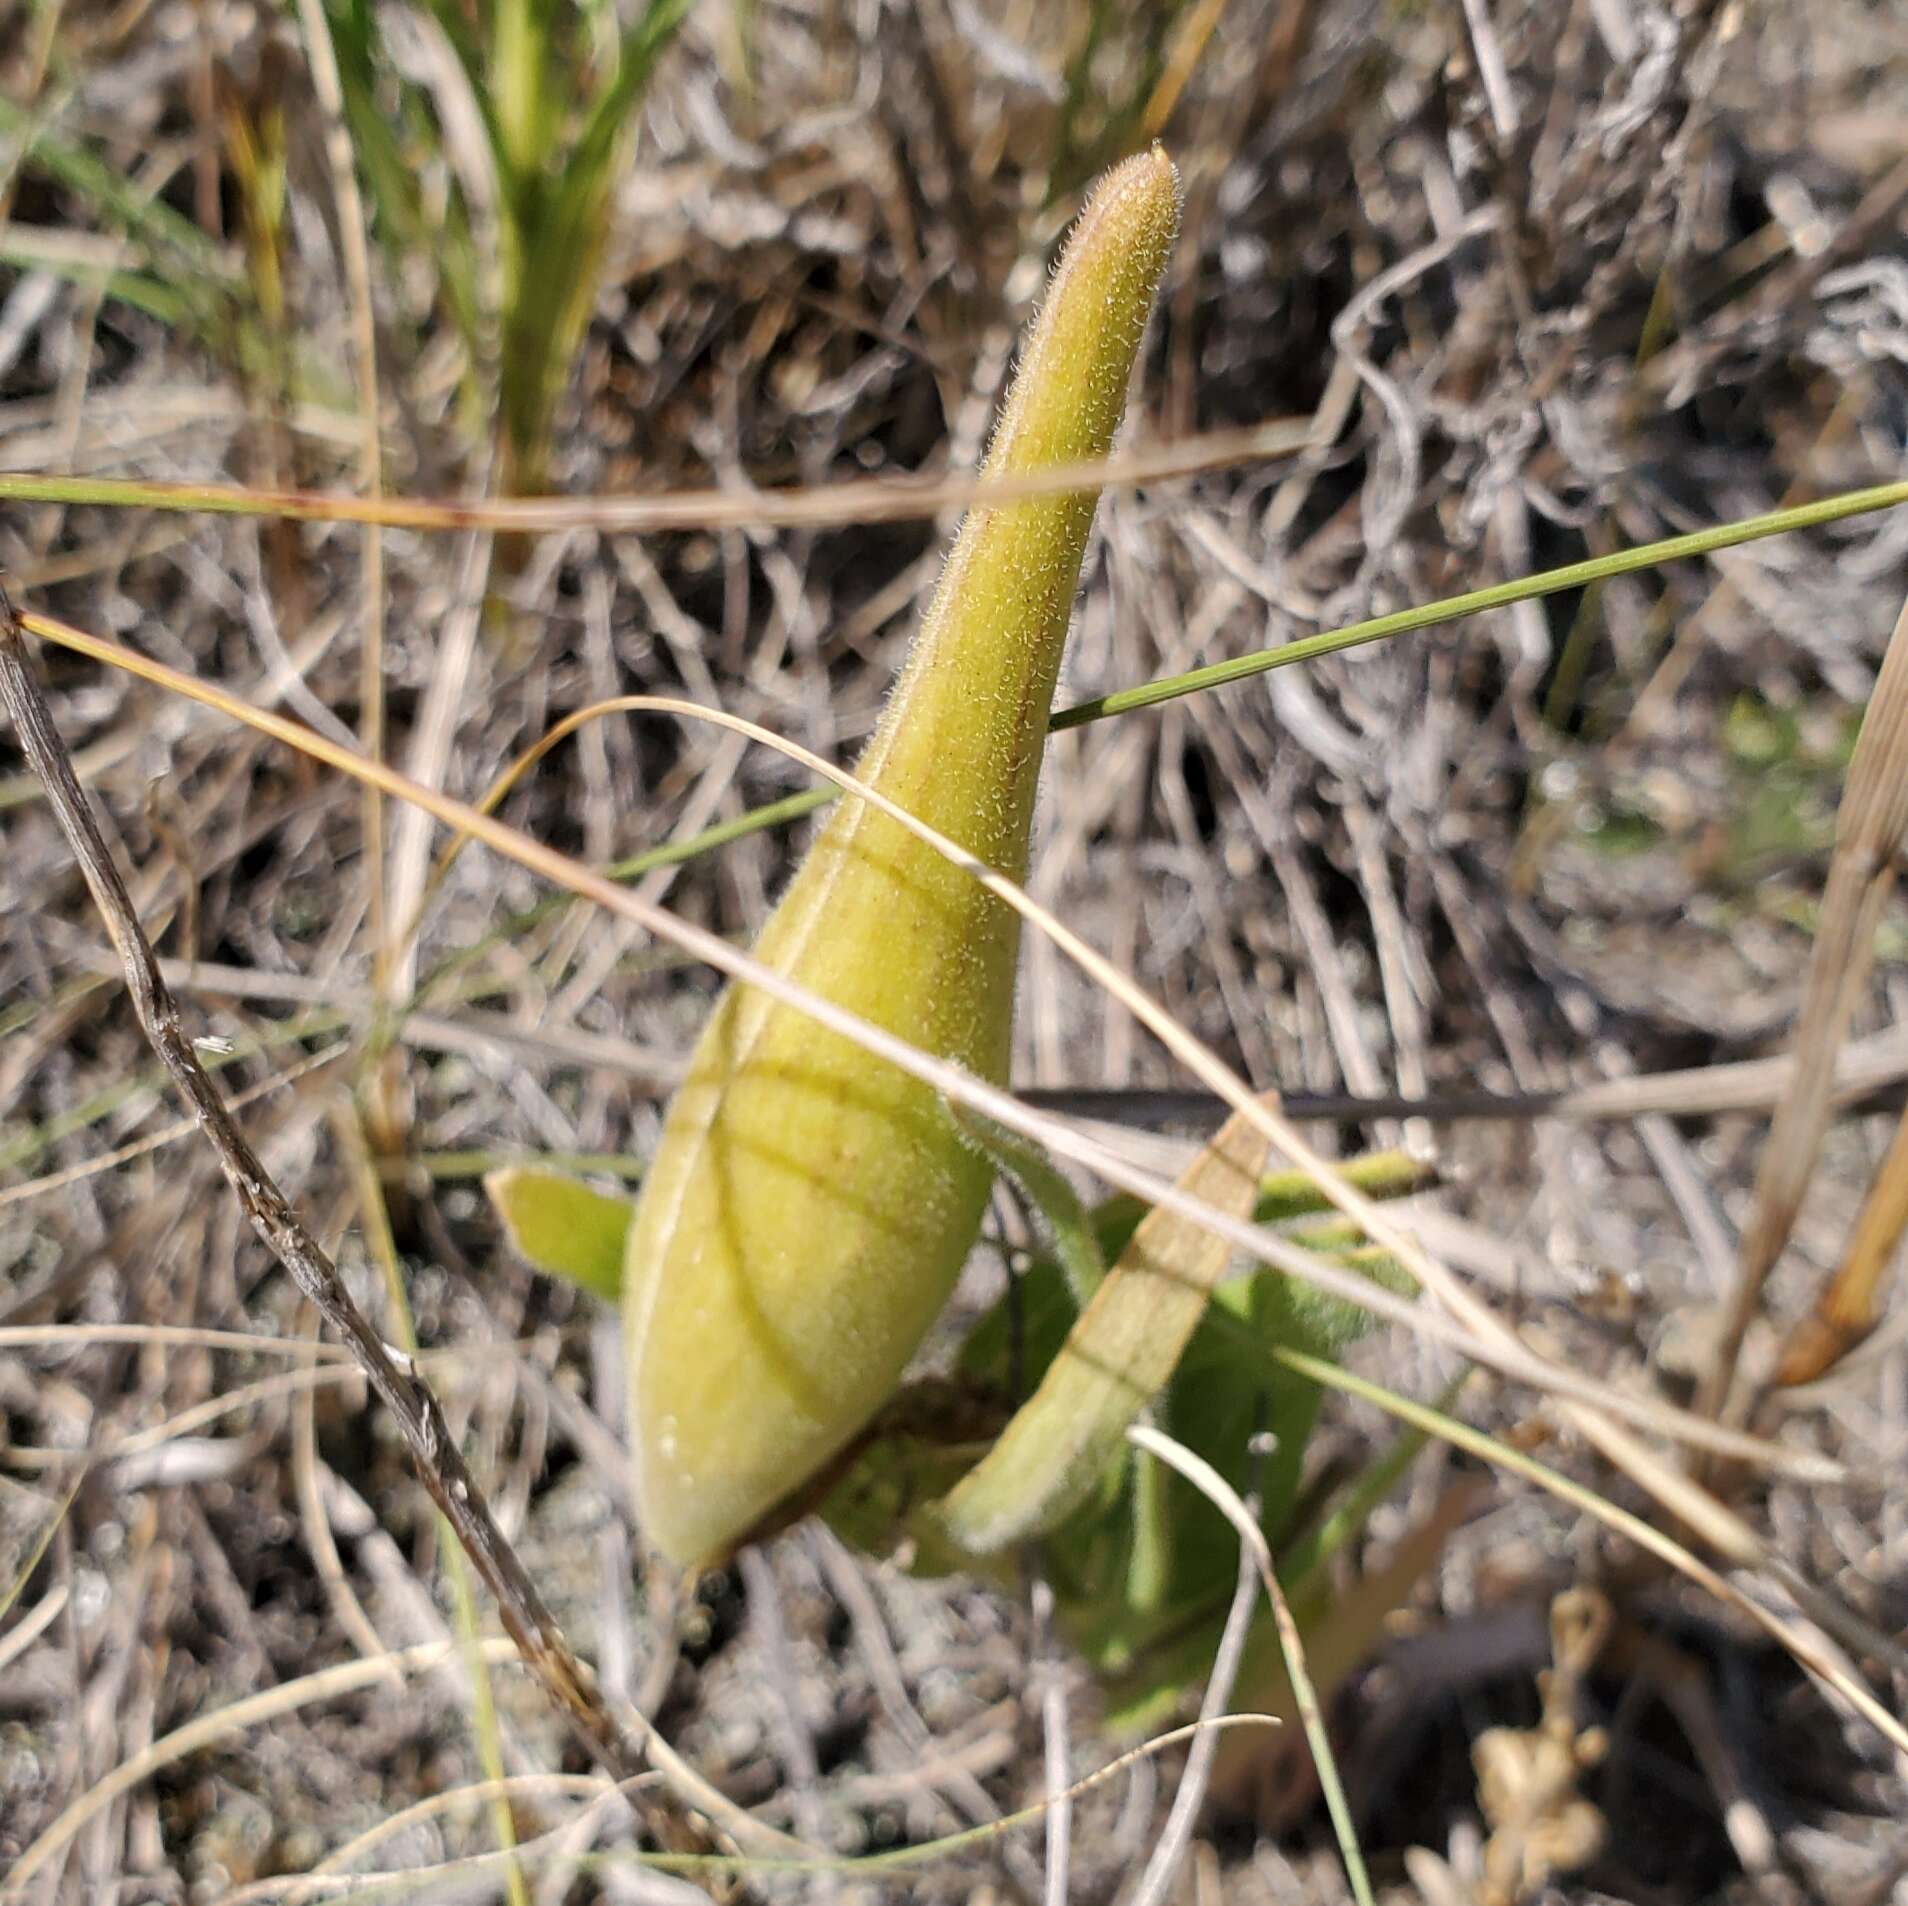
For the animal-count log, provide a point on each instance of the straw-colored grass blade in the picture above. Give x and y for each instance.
(1847, 1307)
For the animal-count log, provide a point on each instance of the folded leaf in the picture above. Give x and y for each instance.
(810, 1206)
(1282, 1194)
(1117, 1359)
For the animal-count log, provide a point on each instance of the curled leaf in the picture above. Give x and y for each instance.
(1116, 1360)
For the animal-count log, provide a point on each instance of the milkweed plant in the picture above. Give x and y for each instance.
(810, 1205)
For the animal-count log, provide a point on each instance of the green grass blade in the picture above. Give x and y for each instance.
(149, 220)
(516, 85)
(151, 295)
(557, 222)
(379, 143)
(1597, 569)
(627, 515)
(670, 854)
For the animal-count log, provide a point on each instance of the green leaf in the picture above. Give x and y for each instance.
(564, 1227)
(170, 238)
(153, 296)
(1117, 1359)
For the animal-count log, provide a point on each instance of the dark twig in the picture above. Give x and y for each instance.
(395, 1377)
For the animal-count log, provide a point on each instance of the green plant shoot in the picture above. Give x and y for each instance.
(555, 86)
(809, 1206)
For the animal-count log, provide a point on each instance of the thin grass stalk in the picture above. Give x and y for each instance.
(374, 1221)
(398, 1384)
(1847, 1307)
(1817, 1659)
(207, 1730)
(322, 56)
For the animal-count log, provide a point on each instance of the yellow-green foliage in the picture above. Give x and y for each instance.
(810, 1206)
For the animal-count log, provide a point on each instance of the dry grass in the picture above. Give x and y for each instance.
(1557, 277)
